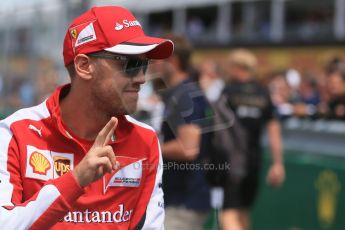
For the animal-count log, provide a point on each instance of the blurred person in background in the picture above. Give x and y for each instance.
(21, 94)
(209, 79)
(332, 90)
(195, 28)
(150, 105)
(308, 99)
(186, 192)
(280, 92)
(46, 83)
(336, 91)
(309, 93)
(253, 108)
(300, 100)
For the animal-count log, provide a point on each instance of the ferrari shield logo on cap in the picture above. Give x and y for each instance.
(74, 33)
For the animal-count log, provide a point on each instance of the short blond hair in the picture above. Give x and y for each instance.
(243, 58)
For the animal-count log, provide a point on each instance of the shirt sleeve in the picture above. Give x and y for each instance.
(269, 112)
(153, 218)
(43, 209)
(188, 107)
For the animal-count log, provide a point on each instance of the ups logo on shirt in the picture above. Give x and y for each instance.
(61, 165)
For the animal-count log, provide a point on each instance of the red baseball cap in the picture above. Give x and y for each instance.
(113, 29)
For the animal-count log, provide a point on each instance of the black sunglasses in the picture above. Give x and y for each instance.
(131, 65)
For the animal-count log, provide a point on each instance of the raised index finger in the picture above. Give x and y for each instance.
(105, 134)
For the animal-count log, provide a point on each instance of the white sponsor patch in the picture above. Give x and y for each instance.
(45, 164)
(86, 35)
(128, 176)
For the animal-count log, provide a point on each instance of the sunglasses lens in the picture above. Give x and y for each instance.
(134, 66)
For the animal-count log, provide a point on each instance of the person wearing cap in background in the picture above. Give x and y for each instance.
(78, 160)
(253, 107)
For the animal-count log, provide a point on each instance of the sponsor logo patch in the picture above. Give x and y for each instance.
(129, 174)
(39, 163)
(133, 182)
(118, 26)
(39, 131)
(61, 165)
(122, 214)
(83, 34)
(45, 164)
(74, 33)
(126, 24)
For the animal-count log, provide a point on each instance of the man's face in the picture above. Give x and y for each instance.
(112, 90)
(166, 69)
(336, 85)
(237, 72)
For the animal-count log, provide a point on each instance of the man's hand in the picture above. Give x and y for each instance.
(276, 175)
(186, 146)
(100, 159)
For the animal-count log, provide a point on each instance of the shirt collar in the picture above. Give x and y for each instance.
(124, 127)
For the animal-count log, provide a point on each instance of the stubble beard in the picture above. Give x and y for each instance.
(112, 106)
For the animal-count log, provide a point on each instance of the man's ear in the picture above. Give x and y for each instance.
(83, 66)
(174, 61)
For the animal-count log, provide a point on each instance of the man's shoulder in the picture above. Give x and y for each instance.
(189, 91)
(187, 86)
(35, 113)
(140, 126)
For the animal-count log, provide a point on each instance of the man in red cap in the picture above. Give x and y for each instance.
(78, 160)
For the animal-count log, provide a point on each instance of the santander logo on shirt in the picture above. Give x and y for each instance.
(87, 216)
(126, 24)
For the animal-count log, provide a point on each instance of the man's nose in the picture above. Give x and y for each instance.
(139, 78)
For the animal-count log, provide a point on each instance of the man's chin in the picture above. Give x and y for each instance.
(123, 111)
(130, 110)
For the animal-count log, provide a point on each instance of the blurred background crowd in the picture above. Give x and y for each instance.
(298, 54)
(297, 43)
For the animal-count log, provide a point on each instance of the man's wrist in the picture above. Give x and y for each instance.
(77, 178)
(277, 162)
(69, 187)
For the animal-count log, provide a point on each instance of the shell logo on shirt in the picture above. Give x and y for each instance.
(39, 163)
(47, 164)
